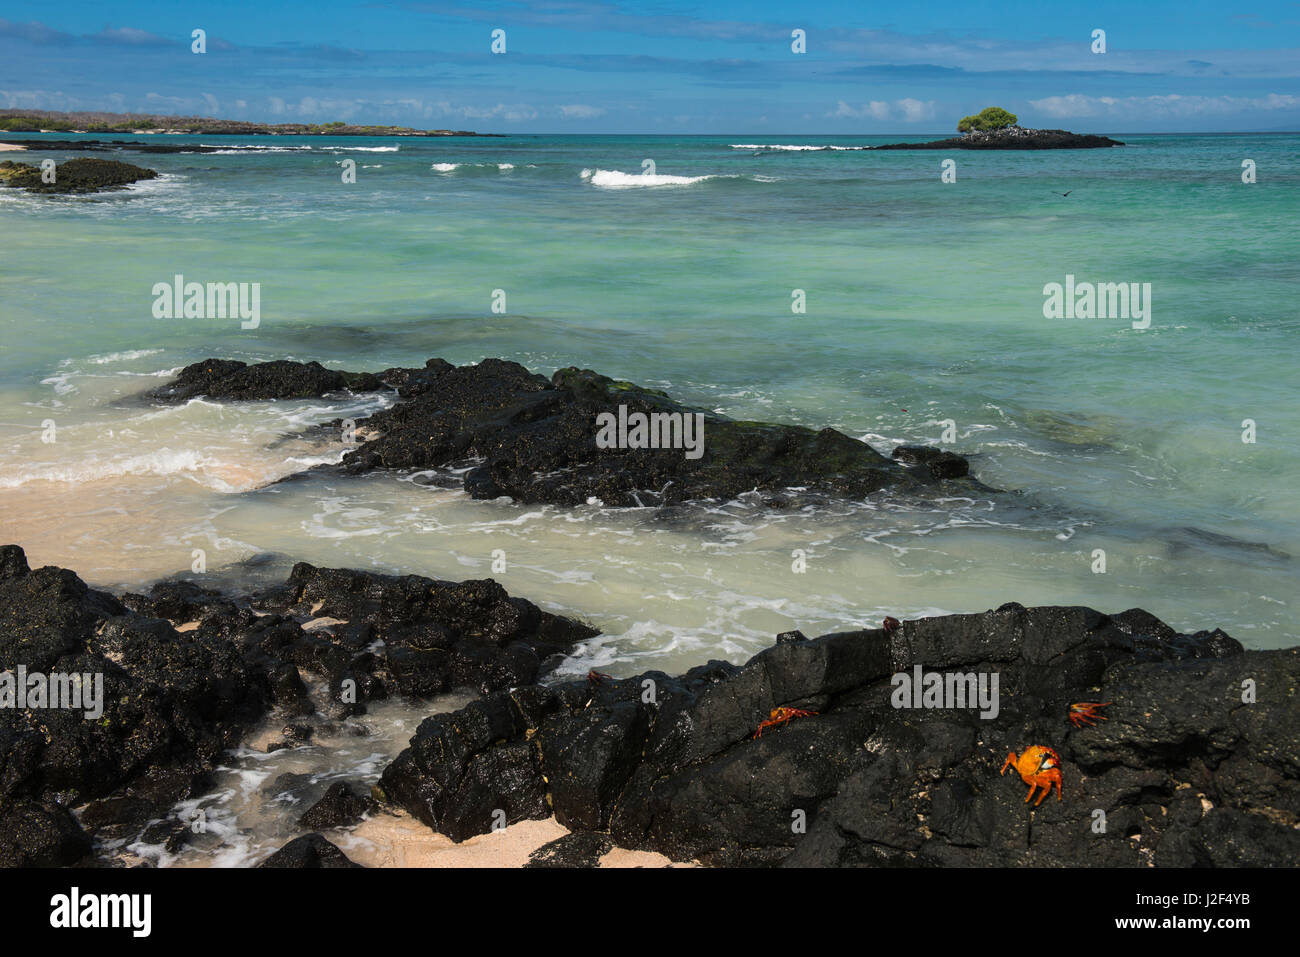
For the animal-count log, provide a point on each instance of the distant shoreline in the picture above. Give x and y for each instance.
(105, 145)
(137, 124)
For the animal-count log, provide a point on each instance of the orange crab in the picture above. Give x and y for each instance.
(1039, 767)
(1087, 713)
(781, 716)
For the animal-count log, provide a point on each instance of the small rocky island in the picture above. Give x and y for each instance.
(996, 129)
(80, 175)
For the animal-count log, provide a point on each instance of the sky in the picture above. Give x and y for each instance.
(663, 66)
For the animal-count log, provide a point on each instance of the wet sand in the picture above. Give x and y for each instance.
(399, 840)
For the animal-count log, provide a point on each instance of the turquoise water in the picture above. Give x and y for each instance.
(924, 304)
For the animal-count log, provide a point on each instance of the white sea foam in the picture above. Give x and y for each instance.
(452, 167)
(252, 148)
(793, 148)
(110, 358)
(61, 384)
(613, 179)
(161, 462)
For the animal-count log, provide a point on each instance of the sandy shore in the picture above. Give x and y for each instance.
(399, 840)
(10, 148)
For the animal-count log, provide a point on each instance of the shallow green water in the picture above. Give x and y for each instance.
(924, 304)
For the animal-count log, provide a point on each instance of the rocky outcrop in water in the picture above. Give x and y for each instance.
(74, 176)
(231, 379)
(186, 671)
(1012, 138)
(340, 806)
(310, 850)
(1183, 771)
(540, 440)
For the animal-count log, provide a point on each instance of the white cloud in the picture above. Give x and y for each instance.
(134, 37)
(1077, 105)
(511, 113)
(581, 111)
(37, 100)
(158, 101)
(911, 111)
(914, 111)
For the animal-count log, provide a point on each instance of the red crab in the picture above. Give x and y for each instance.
(1039, 767)
(596, 677)
(891, 625)
(1086, 713)
(781, 716)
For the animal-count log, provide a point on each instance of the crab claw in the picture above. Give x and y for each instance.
(1087, 713)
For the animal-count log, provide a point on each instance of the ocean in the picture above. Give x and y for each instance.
(923, 322)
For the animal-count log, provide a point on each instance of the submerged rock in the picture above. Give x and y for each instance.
(939, 463)
(80, 175)
(546, 440)
(1183, 777)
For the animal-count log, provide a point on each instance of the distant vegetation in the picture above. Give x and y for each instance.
(989, 118)
(33, 121)
(28, 124)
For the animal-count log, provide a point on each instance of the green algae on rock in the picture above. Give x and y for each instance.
(81, 175)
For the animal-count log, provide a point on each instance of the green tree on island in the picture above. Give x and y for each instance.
(989, 118)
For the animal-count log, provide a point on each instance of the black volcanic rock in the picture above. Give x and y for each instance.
(340, 807)
(281, 379)
(435, 635)
(40, 834)
(174, 701)
(940, 464)
(1183, 777)
(579, 849)
(310, 850)
(535, 439)
(81, 175)
(1012, 138)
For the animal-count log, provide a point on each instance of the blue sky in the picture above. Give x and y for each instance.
(662, 66)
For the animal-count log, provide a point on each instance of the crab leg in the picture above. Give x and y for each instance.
(1086, 713)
